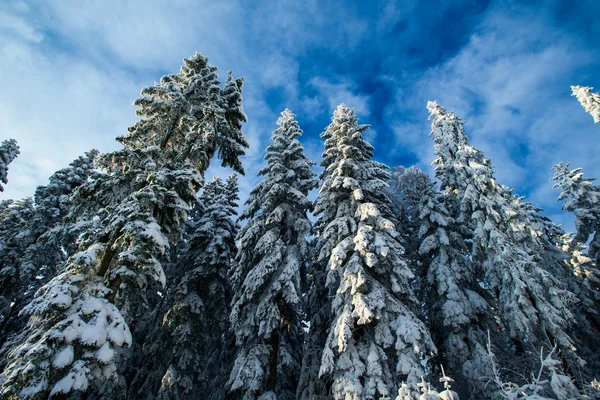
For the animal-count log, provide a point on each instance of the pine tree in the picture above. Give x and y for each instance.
(375, 339)
(458, 311)
(17, 233)
(39, 237)
(311, 385)
(265, 315)
(408, 187)
(582, 198)
(76, 331)
(8, 152)
(588, 100)
(186, 352)
(531, 299)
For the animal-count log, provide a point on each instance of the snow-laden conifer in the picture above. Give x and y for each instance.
(318, 308)
(8, 152)
(36, 238)
(533, 302)
(17, 232)
(458, 313)
(76, 331)
(189, 117)
(186, 351)
(589, 101)
(407, 189)
(375, 340)
(53, 199)
(265, 315)
(582, 198)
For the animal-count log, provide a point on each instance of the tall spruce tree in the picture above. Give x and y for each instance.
(186, 353)
(266, 308)
(318, 306)
(589, 101)
(8, 152)
(531, 299)
(458, 313)
(76, 330)
(375, 339)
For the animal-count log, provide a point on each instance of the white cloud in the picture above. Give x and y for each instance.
(335, 93)
(73, 90)
(56, 107)
(11, 24)
(510, 83)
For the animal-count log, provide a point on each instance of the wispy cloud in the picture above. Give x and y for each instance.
(510, 83)
(332, 94)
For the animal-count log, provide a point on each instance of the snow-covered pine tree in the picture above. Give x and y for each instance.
(17, 232)
(53, 200)
(589, 101)
(457, 310)
(271, 261)
(8, 152)
(37, 238)
(582, 198)
(75, 330)
(375, 340)
(533, 303)
(186, 353)
(407, 188)
(318, 306)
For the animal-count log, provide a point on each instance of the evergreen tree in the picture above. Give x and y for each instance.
(17, 233)
(375, 340)
(531, 299)
(582, 198)
(37, 237)
(186, 353)
(318, 308)
(76, 330)
(8, 152)
(265, 313)
(588, 100)
(408, 186)
(458, 312)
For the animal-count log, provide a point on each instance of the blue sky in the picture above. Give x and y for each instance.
(71, 70)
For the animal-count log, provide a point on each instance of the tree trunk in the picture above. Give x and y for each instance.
(273, 362)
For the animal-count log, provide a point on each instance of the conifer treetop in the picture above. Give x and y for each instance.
(187, 116)
(8, 152)
(589, 101)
